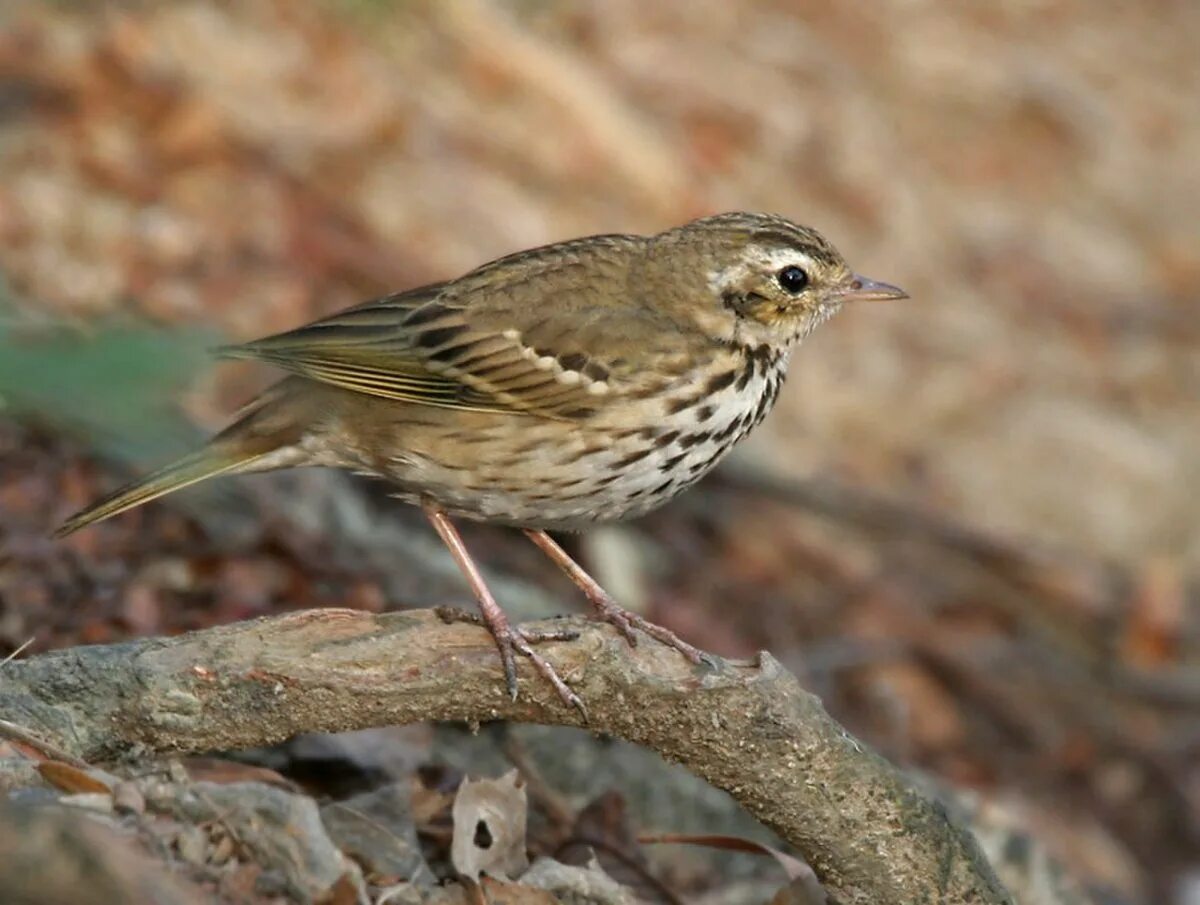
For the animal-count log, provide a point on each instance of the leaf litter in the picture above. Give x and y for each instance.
(245, 167)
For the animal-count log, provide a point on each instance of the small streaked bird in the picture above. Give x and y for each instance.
(582, 382)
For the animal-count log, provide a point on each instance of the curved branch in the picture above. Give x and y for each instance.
(749, 729)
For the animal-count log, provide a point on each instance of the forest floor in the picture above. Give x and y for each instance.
(966, 526)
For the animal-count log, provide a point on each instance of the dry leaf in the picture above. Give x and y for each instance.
(798, 892)
(226, 772)
(603, 831)
(1157, 615)
(343, 892)
(497, 892)
(429, 804)
(70, 779)
(376, 830)
(803, 889)
(489, 827)
(128, 798)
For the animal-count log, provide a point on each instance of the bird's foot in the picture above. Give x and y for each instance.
(512, 640)
(626, 621)
(607, 608)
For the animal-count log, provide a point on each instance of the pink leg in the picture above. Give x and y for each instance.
(508, 639)
(609, 609)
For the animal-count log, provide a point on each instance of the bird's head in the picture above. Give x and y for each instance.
(758, 278)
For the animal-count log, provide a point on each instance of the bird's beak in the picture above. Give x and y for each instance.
(860, 289)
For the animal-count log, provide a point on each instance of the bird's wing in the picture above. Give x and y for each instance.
(552, 331)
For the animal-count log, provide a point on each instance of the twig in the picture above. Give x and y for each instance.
(15, 733)
(647, 876)
(867, 831)
(20, 650)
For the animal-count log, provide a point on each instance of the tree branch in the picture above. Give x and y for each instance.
(749, 729)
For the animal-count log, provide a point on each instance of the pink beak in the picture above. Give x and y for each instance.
(860, 289)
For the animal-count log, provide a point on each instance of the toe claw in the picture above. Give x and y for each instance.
(626, 631)
(616, 616)
(579, 705)
(543, 666)
(625, 622)
(508, 640)
(510, 672)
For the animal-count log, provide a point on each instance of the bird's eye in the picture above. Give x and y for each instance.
(793, 279)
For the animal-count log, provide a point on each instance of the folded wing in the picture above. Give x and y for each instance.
(547, 332)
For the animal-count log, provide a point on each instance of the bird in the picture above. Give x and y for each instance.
(552, 389)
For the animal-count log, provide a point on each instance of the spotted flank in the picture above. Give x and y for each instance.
(601, 471)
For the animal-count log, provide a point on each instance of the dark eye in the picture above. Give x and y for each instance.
(793, 279)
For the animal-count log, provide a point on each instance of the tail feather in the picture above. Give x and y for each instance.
(191, 469)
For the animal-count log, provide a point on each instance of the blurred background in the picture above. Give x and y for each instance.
(972, 523)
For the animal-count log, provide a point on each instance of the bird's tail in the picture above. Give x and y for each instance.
(255, 442)
(191, 469)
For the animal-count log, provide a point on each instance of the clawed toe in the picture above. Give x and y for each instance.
(507, 642)
(617, 617)
(608, 609)
(625, 622)
(511, 641)
(666, 636)
(521, 645)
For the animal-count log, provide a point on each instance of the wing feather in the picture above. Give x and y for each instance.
(493, 340)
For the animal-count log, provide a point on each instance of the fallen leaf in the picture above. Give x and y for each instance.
(489, 827)
(798, 892)
(377, 831)
(343, 892)
(1157, 611)
(803, 889)
(573, 883)
(70, 779)
(128, 798)
(225, 772)
(498, 892)
(604, 831)
(429, 804)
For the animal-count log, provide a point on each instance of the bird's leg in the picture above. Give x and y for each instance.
(608, 609)
(508, 639)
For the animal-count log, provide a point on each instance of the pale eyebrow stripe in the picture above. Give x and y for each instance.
(811, 250)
